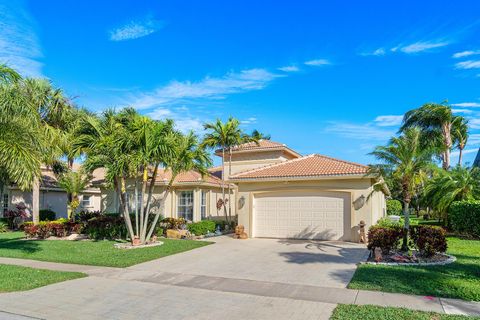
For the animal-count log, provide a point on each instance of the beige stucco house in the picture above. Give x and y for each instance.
(281, 194)
(51, 196)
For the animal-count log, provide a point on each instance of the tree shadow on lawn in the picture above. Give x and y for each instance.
(27, 246)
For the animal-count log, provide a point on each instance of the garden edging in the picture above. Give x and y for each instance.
(450, 259)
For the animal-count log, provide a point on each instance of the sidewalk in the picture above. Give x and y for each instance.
(317, 294)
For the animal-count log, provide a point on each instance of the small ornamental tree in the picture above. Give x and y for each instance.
(394, 207)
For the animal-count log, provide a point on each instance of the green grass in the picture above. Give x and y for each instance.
(460, 279)
(354, 312)
(17, 278)
(419, 221)
(97, 253)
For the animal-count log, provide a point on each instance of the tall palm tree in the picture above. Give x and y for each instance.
(436, 122)
(460, 136)
(455, 185)
(221, 136)
(405, 158)
(74, 182)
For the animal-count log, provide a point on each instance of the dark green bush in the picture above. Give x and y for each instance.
(47, 215)
(202, 227)
(429, 239)
(385, 238)
(106, 227)
(464, 217)
(394, 207)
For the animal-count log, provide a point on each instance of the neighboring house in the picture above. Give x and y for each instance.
(51, 196)
(192, 197)
(282, 194)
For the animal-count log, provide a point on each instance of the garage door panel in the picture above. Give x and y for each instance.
(312, 215)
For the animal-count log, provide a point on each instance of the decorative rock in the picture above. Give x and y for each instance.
(450, 259)
(128, 246)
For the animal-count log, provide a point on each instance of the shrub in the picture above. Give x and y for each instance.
(84, 216)
(45, 229)
(429, 239)
(202, 227)
(3, 227)
(385, 238)
(47, 215)
(386, 222)
(106, 227)
(464, 217)
(394, 207)
(173, 223)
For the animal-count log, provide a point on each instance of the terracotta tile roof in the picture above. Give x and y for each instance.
(262, 145)
(314, 165)
(188, 177)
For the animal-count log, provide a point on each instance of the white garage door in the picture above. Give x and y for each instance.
(301, 215)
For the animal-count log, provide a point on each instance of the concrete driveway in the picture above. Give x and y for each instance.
(315, 263)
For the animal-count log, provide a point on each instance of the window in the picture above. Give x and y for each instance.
(203, 205)
(185, 205)
(86, 201)
(5, 202)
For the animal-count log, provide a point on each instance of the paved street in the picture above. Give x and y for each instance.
(228, 280)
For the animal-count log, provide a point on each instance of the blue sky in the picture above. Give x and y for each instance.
(329, 77)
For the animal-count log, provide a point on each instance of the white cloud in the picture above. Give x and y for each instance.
(474, 139)
(377, 52)
(360, 131)
(289, 69)
(317, 62)
(465, 53)
(422, 46)
(388, 120)
(474, 123)
(467, 104)
(466, 111)
(19, 45)
(465, 151)
(469, 64)
(251, 120)
(183, 121)
(136, 29)
(207, 88)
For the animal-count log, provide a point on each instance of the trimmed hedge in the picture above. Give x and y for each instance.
(394, 207)
(202, 228)
(385, 238)
(464, 217)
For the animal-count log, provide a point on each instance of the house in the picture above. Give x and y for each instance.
(281, 194)
(51, 196)
(193, 197)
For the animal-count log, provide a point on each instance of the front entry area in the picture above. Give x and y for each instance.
(294, 214)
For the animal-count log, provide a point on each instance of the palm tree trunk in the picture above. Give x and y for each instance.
(157, 215)
(223, 184)
(446, 130)
(126, 214)
(136, 206)
(229, 191)
(406, 228)
(460, 156)
(142, 211)
(147, 206)
(36, 201)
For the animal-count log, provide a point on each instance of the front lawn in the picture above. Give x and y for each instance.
(97, 253)
(460, 279)
(354, 312)
(17, 278)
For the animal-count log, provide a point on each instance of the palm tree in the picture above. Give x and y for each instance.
(460, 136)
(455, 185)
(405, 158)
(221, 136)
(257, 135)
(74, 182)
(436, 122)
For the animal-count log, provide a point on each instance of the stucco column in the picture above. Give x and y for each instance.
(196, 204)
(36, 201)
